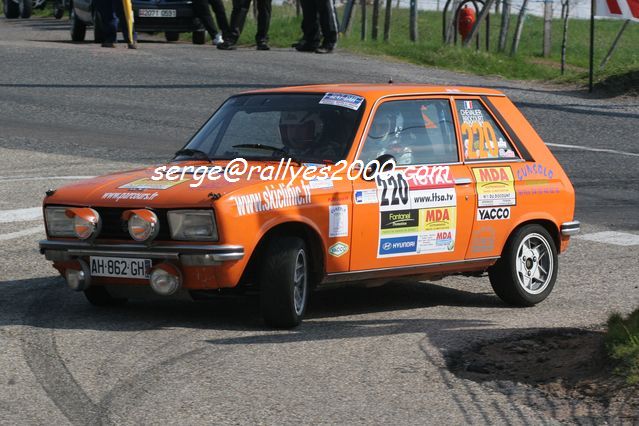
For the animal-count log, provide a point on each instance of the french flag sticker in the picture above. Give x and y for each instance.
(468, 104)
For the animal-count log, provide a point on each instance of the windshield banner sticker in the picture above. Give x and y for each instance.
(418, 211)
(147, 183)
(344, 100)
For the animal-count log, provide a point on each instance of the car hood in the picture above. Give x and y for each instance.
(135, 188)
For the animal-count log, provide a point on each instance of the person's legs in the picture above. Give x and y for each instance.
(263, 23)
(220, 15)
(238, 17)
(109, 21)
(118, 9)
(203, 13)
(310, 27)
(328, 22)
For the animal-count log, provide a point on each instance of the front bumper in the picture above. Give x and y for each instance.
(192, 254)
(570, 228)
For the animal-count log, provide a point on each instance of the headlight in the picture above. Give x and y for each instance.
(80, 222)
(143, 224)
(192, 225)
(58, 223)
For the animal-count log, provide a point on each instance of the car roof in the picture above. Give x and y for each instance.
(375, 91)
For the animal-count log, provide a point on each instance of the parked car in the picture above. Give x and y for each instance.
(151, 16)
(473, 190)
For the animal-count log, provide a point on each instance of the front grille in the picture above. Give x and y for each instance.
(114, 228)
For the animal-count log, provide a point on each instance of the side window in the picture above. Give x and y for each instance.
(413, 132)
(482, 138)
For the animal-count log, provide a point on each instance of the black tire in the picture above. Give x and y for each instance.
(58, 12)
(509, 283)
(277, 278)
(100, 296)
(199, 37)
(26, 8)
(11, 9)
(172, 36)
(98, 32)
(78, 27)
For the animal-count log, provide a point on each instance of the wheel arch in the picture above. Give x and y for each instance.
(306, 232)
(546, 223)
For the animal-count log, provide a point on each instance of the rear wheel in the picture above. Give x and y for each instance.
(172, 36)
(78, 27)
(526, 273)
(284, 282)
(11, 9)
(199, 37)
(58, 13)
(26, 8)
(100, 296)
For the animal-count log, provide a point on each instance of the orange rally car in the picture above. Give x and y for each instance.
(289, 189)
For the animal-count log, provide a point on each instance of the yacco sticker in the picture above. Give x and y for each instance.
(146, 183)
(338, 249)
(495, 186)
(493, 213)
(338, 221)
(365, 196)
(342, 99)
(534, 169)
(397, 245)
(399, 222)
(272, 198)
(117, 196)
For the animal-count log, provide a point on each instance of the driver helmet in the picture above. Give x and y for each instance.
(300, 128)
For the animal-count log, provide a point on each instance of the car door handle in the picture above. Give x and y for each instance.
(462, 181)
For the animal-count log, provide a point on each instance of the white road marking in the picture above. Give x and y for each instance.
(26, 178)
(23, 233)
(612, 237)
(587, 148)
(20, 215)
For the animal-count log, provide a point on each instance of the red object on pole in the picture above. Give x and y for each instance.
(466, 21)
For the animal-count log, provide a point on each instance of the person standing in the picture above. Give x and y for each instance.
(112, 14)
(318, 14)
(238, 18)
(203, 13)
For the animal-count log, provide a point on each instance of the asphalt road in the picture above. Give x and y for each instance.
(364, 355)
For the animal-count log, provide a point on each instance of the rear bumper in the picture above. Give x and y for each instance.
(570, 228)
(195, 255)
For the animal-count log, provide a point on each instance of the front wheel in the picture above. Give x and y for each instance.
(526, 273)
(284, 282)
(199, 37)
(11, 9)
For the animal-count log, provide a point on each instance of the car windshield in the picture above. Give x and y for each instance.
(304, 127)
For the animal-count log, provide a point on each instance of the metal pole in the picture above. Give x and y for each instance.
(592, 47)
(614, 44)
